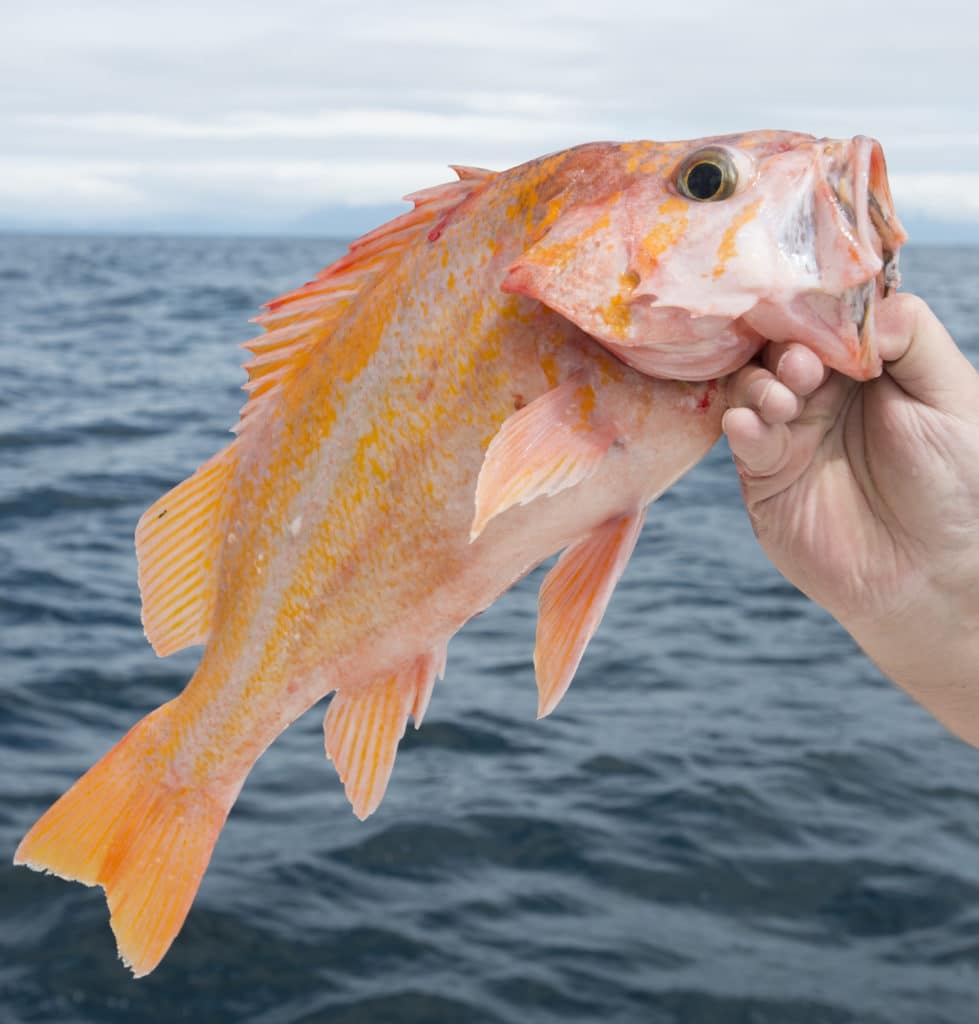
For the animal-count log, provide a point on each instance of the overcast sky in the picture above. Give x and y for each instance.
(221, 116)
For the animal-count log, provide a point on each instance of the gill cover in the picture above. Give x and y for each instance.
(645, 272)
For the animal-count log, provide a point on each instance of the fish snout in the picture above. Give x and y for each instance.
(842, 238)
(860, 244)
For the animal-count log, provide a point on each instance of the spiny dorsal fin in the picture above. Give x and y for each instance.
(295, 323)
(362, 729)
(178, 539)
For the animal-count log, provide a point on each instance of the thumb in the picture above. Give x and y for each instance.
(921, 357)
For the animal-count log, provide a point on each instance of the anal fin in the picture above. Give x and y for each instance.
(362, 728)
(178, 539)
(572, 601)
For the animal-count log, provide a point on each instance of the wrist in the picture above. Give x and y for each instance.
(931, 650)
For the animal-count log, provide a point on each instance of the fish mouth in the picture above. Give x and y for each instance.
(849, 242)
(859, 305)
(869, 224)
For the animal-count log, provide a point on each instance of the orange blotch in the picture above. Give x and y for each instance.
(628, 281)
(673, 206)
(617, 315)
(668, 231)
(646, 157)
(559, 254)
(364, 456)
(550, 216)
(636, 153)
(727, 250)
(549, 365)
(585, 396)
(530, 194)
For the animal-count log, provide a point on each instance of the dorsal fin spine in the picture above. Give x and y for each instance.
(298, 321)
(180, 532)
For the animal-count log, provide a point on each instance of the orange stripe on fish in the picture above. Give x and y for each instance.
(727, 249)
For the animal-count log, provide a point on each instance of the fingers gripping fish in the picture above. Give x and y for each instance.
(516, 367)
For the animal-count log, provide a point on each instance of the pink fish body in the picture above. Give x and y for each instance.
(477, 385)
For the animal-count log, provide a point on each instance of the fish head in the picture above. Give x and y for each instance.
(705, 250)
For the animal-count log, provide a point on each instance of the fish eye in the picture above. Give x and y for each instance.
(707, 176)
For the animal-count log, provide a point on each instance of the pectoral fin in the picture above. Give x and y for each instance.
(362, 729)
(572, 601)
(550, 444)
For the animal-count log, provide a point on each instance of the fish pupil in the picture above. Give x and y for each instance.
(704, 180)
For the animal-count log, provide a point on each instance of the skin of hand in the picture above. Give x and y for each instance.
(866, 497)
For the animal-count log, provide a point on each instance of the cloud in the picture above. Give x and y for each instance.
(322, 125)
(253, 194)
(98, 187)
(141, 108)
(948, 197)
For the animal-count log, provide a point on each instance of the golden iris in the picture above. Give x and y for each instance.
(707, 176)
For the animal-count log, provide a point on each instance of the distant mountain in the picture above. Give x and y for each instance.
(337, 221)
(344, 221)
(350, 221)
(347, 222)
(923, 230)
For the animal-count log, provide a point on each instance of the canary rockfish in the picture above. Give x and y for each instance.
(516, 367)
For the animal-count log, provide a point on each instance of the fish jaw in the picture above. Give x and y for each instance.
(801, 250)
(709, 349)
(852, 240)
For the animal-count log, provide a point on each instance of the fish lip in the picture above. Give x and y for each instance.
(859, 301)
(862, 303)
(859, 308)
(878, 227)
(879, 235)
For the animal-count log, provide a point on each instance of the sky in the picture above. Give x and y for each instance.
(301, 117)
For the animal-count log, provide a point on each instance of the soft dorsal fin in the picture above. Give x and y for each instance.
(362, 729)
(572, 601)
(548, 445)
(296, 322)
(178, 540)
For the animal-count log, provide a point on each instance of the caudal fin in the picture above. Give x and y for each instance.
(128, 826)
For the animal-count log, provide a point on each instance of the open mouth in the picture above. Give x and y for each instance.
(887, 227)
(865, 198)
(859, 303)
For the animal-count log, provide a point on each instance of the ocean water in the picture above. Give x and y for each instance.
(731, 818)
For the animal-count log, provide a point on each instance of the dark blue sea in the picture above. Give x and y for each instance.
(731, 818)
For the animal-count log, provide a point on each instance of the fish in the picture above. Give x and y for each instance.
(513, 369)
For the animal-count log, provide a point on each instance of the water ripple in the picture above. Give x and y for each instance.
(731, 818)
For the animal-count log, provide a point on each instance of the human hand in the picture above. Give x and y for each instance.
(866, 497)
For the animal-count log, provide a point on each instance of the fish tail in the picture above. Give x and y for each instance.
(129, 826)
